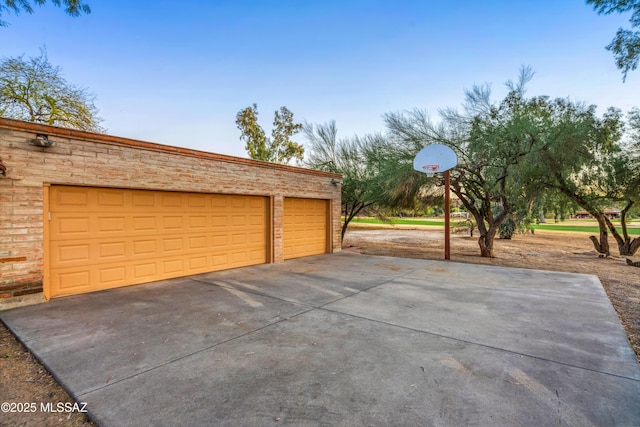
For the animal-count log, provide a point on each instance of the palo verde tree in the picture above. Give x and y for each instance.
(577, 157)
(277, 149)
(625, 46)
(632, 150)
(490, 139)
(71, 7)
(554, 204)
(34, 90)
(622, 185)
(623, 181)
(350, 158)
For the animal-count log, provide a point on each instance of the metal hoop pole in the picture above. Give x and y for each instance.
(447, 214)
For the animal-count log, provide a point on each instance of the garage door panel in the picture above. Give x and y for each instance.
(239, 258)
(172, 222)
(111, 198)
(238, 221)
(144, 247)
(173, 244)
(152, 235)
(145, 270)
(197, 263)
(305, 227)
(197, 201)
(112, 250)
(255, 238)
(238, 239)
(256, 256)
(71, 281)
(144, 223)
(171, 201)
(73, 253)
(197, 243)
(219, 221)
(143, 200)
(219, 241)
(105, 225)
(113, 275)
(220, 260)
(196, 222)
(71, 198)
(255, 203)
(256, 220)
(171, 266)
(238, 202)
(69, 227)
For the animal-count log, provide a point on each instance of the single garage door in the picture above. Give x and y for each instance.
(103, 238)
(305, 227)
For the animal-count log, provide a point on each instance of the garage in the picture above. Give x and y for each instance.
(86, 212)
(100, 238)
(305, 227)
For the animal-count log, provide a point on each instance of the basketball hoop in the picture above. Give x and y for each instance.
(430, 170)
(438, 158)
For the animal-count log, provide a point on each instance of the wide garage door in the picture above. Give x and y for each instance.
(103, 238)
(305, 227)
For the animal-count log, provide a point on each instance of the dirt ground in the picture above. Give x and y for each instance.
(24, 380)
(544, 250)
(25, 384)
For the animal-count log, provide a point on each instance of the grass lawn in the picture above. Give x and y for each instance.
(584, 226)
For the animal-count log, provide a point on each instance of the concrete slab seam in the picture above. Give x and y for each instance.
(442, 284)
(250, 290)
(184, 356)
(408, 328)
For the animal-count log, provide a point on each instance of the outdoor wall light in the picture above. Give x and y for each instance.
(42, 140)
(3, 169)
(335, 181)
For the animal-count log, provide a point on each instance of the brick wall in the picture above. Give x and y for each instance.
(83, 158)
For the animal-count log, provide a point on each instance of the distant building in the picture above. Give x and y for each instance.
(610, 213)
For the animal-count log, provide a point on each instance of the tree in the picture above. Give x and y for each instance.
(277, 149)
(491, 141)
(626, 43)
(34, 90)
(348, 157)
(554, 202)
(632, 149)
(576, 155)
(252, 133)
(72, 7)
(624, 181)
(623, 185)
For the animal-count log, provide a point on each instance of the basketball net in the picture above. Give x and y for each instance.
(430, 170)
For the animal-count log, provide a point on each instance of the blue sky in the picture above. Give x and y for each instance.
(177, 72)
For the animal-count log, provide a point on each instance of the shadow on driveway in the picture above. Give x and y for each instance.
(343, 339)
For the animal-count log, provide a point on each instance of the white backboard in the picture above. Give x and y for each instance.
(435, 158)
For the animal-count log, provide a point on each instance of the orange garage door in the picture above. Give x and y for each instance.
(103, 238)
(305, 227)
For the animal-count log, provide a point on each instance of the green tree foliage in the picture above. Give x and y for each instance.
(624, 181)
(625, 46)
(277, 149)
(512, 152)
(578, 157)
(554, 204)
(252, 133)
(491, 141)
(632, 157)
(349, 157)
(72, 7)
(34, 90)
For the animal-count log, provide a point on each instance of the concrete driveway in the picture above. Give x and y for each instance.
(343, 339)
